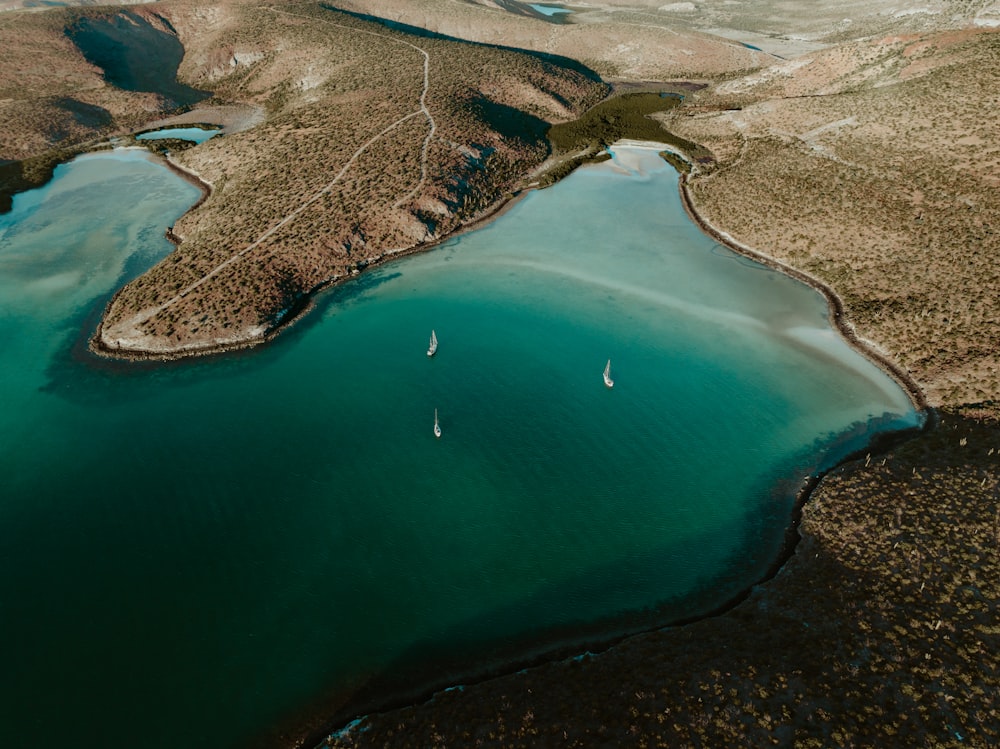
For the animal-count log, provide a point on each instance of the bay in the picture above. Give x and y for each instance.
(194, 554)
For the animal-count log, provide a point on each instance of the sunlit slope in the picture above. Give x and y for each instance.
(653, 38)
(70, 78)
(875, 166)
(627, 49)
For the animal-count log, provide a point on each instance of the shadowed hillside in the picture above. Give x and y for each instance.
(136, 53)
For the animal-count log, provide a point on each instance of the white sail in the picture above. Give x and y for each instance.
(437, 425)
(607, 375)
(433, 347)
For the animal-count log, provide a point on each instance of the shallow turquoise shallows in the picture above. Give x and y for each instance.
(197, 554)
(549, 10)
(193, 134)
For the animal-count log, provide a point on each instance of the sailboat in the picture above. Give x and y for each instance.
(433, 347)
(437, 425)
(607, 375)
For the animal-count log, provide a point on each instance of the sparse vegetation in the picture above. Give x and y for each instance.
(627, 116)
(884, 187)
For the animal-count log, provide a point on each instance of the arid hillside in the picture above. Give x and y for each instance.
(875, 167)
(651, 38)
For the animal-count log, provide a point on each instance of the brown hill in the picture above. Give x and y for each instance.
(626, 48)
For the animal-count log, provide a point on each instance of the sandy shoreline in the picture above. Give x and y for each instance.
(835, 303)
(194, 178)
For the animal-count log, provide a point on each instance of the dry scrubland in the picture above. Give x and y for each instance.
(331, 84)
(875, 167)
(661, 40)
(792, 28)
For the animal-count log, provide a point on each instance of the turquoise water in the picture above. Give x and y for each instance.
(194, 554)
(549, 10)
(193, 134)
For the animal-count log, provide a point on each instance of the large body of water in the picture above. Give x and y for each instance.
(191, 553)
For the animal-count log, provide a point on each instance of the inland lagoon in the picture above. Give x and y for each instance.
(549, 10)
(204, 553)
(192, 134)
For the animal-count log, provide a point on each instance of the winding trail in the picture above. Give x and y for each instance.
(128, 329)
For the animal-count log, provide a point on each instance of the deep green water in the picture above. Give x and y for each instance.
(191, 553)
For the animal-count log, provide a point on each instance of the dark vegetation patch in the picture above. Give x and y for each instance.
(166, 146)
(509, 122)
(626, 116)
(134, 54)
(17, 176)
(677, 162)
(586, 139)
